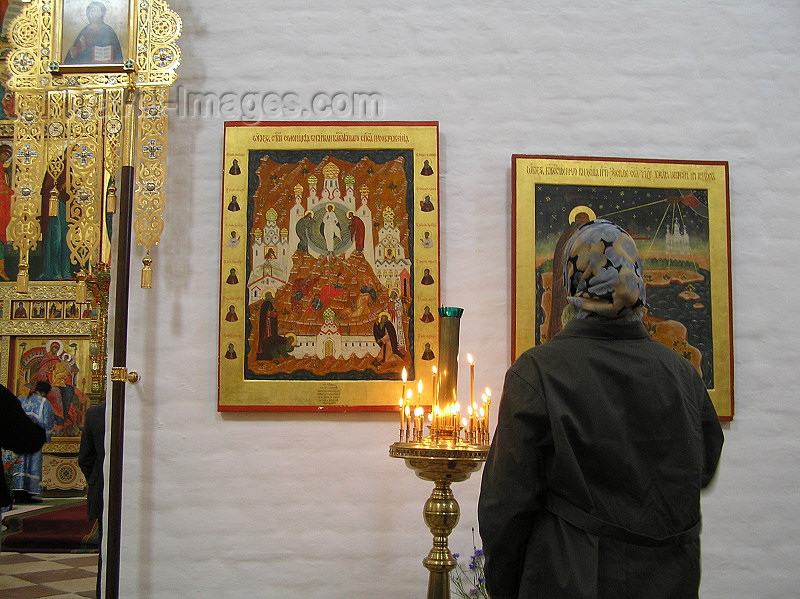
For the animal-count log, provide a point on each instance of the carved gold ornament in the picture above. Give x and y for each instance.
(76, 66)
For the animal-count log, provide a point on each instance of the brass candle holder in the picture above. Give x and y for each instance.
(444, 456)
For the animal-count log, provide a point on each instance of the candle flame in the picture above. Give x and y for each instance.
(409, 393)
(419, 387)
(469, 359)
(401, 402)
(488, 392)
(456, 408)
(434, 370)
(405, 374)
(418, 411)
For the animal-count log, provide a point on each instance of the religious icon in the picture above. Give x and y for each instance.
(235, 168)
(231, 353)
(426, 205)
(20, 310)
(233, 240)
(427, 278)
(71, 310)
(55, 310)
(272, 344)
(60, 362)
(428, 354)
(328, 265)
(386, 336)
(427, 315)
(232, 278)
(95, 32)
(6, 193)
(426, 240)
(8, 103)
(331, 229)
(427, 169)
(8, 12)
(673, 210)
(37, 309)
(357, 231)
(233, 205)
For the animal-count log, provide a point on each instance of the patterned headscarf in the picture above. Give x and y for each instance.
(603, 270)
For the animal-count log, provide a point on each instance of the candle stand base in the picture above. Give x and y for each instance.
(442, 463)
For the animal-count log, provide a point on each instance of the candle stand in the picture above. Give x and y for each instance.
(452, 451)
(442, 463)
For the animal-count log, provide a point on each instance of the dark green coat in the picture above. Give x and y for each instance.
(621, 431)
(91, 454)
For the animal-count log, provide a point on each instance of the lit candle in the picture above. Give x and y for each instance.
(418, 423)
(456, 415)
(471, 378)
(482, 426)
(407, 412)
(405, 378)
(419, 392)
(488, 402)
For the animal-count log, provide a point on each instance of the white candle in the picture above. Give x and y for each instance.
(402, 419)
(488, 402)
(434, 388)
(471, 378)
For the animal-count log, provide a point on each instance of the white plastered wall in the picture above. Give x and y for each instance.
(311, 506)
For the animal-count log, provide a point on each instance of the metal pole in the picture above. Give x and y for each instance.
(122, 259)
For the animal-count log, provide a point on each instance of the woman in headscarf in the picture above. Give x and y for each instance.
(604, 440)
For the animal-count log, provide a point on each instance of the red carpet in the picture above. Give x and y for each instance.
(56, 529)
